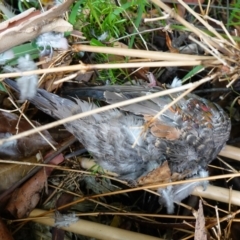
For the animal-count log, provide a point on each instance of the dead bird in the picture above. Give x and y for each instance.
(189, 135)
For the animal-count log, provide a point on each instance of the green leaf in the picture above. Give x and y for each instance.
(22, 50)
(2, 88)
(141, 8)
(74, 13)
(193, 72)
(119, 10)
(95, 42)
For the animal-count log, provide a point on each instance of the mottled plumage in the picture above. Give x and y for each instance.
(189, 135)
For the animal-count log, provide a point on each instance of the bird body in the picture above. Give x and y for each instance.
(188, 135)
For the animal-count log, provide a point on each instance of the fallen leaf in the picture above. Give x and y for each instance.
(169, 44)
(25, 198)
(16, 20)
(4, 232)
(12, 173)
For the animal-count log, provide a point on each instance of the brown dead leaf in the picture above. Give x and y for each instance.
(12, 173)
(4, 232)
(30, 24)
(24, 199)
(161, 174)
(24, 147)
(169, 44)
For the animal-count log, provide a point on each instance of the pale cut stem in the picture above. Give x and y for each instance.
(86, 67)
(156, 55)
(218, 194)
(91, 229)
(85, 227)
(70, 77)
(230, 152)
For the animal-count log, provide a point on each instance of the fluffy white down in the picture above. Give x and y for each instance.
(176, 193)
